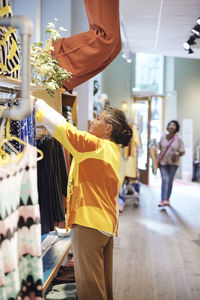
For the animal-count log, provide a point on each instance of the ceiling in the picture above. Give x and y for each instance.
(160, 26)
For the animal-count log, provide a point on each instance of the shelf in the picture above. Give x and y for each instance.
(53, 259)
(61, 98)
(9, 81)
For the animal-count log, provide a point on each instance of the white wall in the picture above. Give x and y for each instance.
(21, 8)
(187, 84)
(117, 82)
(171, 108)
(50, 10)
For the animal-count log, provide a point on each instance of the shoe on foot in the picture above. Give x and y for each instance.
(161, 204)
(166, 202)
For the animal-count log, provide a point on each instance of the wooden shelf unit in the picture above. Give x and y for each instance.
(71, 100)
(61, 98)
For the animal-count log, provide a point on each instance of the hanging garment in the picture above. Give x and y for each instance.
(88, 53)
(20, 231)
(9, 53)
(52, 183)
(28, 130)
(130, 155)
(15, 129)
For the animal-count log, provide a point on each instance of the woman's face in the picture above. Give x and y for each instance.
(172, 127)
(99, 128)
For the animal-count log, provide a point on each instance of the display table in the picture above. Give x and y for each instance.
(53, 257)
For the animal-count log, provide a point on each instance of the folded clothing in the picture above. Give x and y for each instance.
(65, 275)
(66, 291)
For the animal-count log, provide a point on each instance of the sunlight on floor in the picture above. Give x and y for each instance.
(164, 229)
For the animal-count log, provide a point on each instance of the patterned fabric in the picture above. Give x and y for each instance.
(15, 129)
(28, 130)
(9, 53)
(24, 130)
(20, 232)
(93, 182)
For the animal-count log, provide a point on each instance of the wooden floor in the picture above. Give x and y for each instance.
(157, 253)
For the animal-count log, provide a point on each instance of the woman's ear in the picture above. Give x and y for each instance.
(109, 129)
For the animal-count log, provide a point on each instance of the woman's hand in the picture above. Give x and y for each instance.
(34, 99)
(175, 156)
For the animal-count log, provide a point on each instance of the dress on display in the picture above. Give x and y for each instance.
(20, 231)
(130, 155)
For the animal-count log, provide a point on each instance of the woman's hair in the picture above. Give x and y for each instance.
(121, 132)
(176, 123)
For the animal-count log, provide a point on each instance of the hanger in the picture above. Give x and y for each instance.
(8, 137)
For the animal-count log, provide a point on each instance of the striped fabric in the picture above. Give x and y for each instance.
(93, 181)
(9, 53)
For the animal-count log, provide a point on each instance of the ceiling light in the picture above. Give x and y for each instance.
(198, 21)
(196, 30)
(127, 53)
(129, 56)
(186, 46)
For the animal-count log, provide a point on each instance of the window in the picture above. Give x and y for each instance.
(149, 73)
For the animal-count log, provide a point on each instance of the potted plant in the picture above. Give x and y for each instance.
(46, 72)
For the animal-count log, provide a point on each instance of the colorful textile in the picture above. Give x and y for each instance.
(20, 232)
(9, 53)
(93, 181)
(28, 130)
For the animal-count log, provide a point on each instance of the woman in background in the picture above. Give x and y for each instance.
(171, 149)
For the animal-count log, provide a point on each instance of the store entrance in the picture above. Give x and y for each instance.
(149, 118)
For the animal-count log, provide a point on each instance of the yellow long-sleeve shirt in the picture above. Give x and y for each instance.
(93, 181)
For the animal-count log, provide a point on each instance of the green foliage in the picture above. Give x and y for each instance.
(45, 70)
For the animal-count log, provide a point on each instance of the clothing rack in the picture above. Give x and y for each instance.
(7, 90)
(8, 96)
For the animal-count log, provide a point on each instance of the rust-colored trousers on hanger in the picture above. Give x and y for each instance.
(88, 53)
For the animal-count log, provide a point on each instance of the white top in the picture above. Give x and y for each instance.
(177, 145)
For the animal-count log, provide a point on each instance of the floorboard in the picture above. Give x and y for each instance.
(157, 253)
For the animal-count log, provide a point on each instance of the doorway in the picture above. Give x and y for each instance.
(148, 116)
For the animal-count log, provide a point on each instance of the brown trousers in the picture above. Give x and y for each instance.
(93, 262)
(88, 53)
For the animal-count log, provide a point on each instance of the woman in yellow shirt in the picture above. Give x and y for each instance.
(93, 189)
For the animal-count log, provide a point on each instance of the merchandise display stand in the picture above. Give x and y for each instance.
(55, 254)
(53, 257)
(60, 98)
